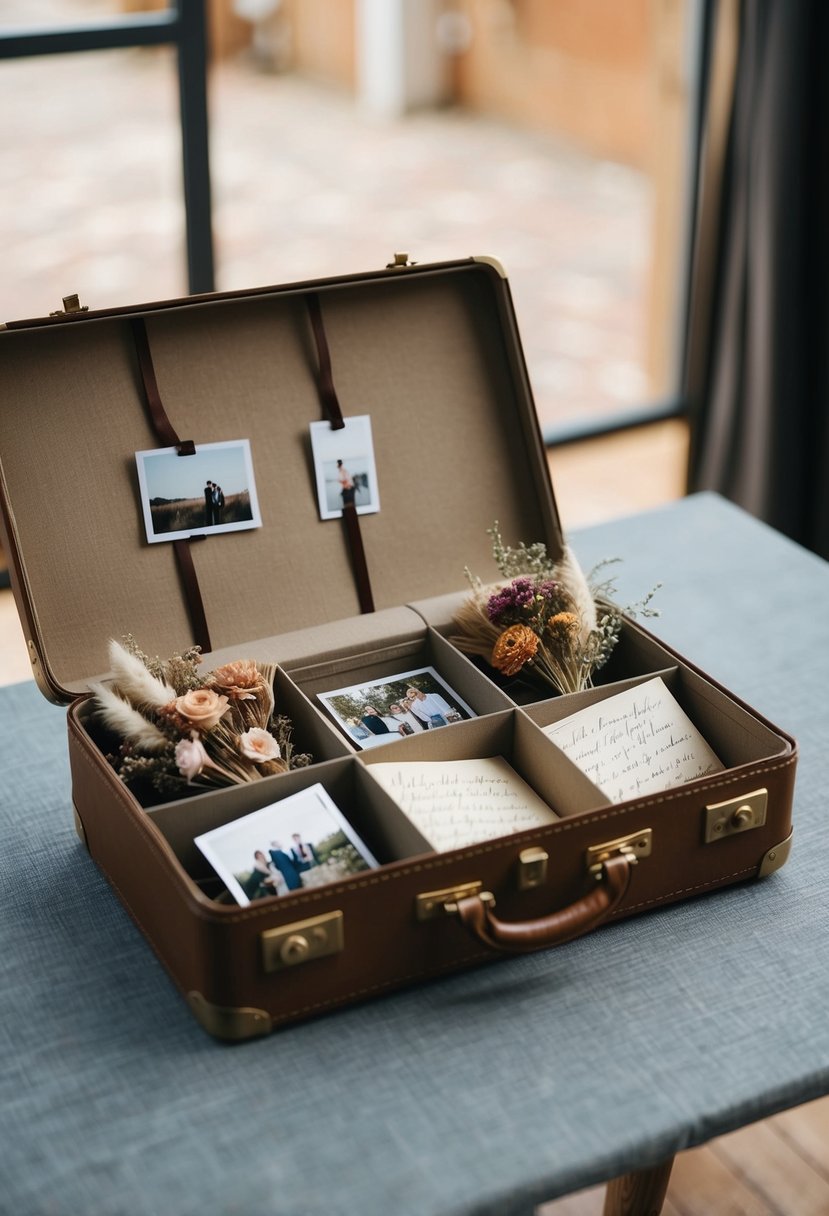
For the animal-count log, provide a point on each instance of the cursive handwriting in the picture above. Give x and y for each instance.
(454, 803)
(637, 742)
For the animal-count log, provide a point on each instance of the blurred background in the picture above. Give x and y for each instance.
(556, 135)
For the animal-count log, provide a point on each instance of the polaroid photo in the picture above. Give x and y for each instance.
(385, 710)
(213, 491)
(302, 841)
(344, 467)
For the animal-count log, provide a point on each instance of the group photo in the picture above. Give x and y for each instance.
(211, 491)
(301, 841)
(381, 711)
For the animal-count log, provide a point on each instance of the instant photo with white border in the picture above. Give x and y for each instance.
(394, 719)
(344, 467)
(212, 491)
(283, 842)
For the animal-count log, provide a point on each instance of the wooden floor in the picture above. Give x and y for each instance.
(779, 1167)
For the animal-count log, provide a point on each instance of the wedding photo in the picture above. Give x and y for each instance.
(344, 467)
(381, 711)
(211, 491)
(301, 841)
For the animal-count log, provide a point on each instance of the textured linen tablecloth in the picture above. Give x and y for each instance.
(487, 1092)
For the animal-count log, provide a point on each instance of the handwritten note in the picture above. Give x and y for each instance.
(637, 742)
(454, 803)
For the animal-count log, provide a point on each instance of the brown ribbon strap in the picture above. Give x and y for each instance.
(192, 591)
(325, 377)
(351, 524)
(331, 408)
(166, 434)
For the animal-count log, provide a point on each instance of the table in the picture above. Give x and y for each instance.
(479, 1095)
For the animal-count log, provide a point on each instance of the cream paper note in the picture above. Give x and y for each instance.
(454, 803)
(637, 742)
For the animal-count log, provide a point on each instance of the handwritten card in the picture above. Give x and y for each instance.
(454, 803)
(638, 742)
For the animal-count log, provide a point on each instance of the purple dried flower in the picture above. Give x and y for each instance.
(512, 598)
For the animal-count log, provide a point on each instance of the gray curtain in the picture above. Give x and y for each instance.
(757, 381)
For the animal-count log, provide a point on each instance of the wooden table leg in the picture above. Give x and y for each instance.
(639, 1194)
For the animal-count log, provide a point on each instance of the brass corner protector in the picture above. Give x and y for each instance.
(776, 857)
(79, 828)
(227, 1022)
(493, 262)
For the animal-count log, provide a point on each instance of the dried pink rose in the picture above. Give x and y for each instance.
(191, 757)
(259, 745)
(202, 707)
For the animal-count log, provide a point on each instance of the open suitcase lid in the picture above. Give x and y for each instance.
(431, 353)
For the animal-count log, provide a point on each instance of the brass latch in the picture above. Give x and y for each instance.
(401, 262)
(70, 304)
(736, 815)
(302, 941)
(439, 903)
(633, 847)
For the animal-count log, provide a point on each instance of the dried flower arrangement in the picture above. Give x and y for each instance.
(182, 732)
(547, 622)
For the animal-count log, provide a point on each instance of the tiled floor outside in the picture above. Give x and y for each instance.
(305, 184)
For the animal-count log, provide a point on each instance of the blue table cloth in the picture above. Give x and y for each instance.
(484, 1093)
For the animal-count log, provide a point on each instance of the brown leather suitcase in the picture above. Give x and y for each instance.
(432, 354)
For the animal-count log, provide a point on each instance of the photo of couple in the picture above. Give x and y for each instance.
(392, 708)
(209, 492)
(301, 841)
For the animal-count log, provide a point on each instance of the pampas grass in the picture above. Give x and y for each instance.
(135, 682)
(120, 718)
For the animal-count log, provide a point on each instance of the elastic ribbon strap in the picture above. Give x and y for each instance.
(168, 437)
(334, 415)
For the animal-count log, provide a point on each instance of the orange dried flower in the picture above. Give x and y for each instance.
(515, 647)
(565, 621)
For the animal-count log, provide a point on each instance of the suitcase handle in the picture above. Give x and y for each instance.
(588, 913)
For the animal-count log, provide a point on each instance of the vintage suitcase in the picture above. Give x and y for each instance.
(432, 354)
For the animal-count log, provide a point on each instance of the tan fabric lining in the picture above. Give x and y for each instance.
(455, 440)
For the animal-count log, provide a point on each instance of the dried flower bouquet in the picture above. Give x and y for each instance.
(181, 732)
(547, 621)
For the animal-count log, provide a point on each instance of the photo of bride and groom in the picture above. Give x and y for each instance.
(302, 841)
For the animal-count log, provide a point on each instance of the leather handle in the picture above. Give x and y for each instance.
(518, 937)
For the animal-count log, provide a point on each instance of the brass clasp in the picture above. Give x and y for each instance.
(302, 941)
(632, 847)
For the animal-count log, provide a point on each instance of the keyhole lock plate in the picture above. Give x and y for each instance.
(736, 815)
(302, 941)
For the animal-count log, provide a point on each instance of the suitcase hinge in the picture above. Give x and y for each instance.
(401, 262)
(70, 304)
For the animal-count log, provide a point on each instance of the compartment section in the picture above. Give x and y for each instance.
(374, 816)
(311, 734)
(360, 670)
(512, 735)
